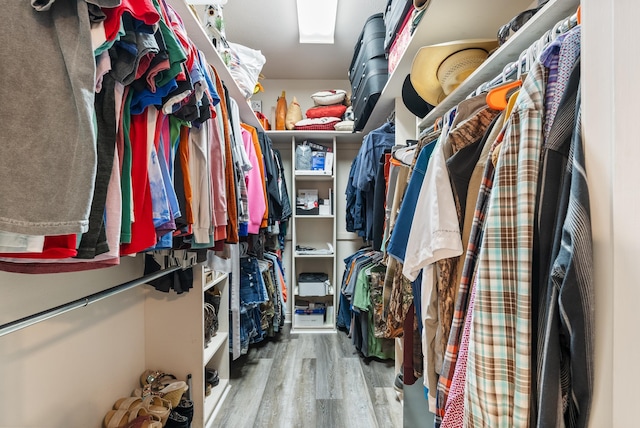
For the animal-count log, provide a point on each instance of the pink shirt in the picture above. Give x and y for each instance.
(255, 192)
(454, 409)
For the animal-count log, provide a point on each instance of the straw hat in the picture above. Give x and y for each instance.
(420, 4)
(438, 69)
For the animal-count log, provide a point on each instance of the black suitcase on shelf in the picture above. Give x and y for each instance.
(393, 18)
(370, 45)
(369, 70)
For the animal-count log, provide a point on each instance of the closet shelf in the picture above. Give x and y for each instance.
(214, 281)
(543, 20)
(200, 38)
(324, 328)
(314, 256)
(286, 136)
(444, 21)
(218, 342)
(316, 175)
(215, 398)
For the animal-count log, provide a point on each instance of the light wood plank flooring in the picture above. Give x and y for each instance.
(309, 380)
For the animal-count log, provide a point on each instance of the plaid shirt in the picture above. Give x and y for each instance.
(462, 300)
(499, 364)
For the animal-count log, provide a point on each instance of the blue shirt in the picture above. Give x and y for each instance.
(400, 234)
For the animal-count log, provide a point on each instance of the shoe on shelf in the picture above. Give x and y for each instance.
(398, 383)
(127, 403)
(158, 407)
(176, 420)
(116, 418)
(161, 384)
(185, 408)
(211, 376)
(144, 422)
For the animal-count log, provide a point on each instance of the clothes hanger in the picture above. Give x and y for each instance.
(497, 98)
(579, 15)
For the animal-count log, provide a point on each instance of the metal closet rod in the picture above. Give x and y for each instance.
(30, 320)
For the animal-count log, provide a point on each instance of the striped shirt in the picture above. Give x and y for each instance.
(566, 354)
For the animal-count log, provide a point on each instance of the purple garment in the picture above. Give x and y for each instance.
(559, 57)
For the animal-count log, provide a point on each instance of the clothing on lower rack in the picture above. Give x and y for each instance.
(261, 300)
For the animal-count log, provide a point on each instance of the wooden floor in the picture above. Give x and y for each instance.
(309, 380)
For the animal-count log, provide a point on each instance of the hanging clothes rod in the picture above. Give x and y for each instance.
(30, 320)
(525, 57)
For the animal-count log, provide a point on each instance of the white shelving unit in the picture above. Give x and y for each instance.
(174, 339)
(313, 230)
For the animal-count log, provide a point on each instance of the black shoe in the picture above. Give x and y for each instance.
(398, 383)
(176, 420)
(185, 408)
(211, 377)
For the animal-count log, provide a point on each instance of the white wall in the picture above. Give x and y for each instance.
(66, 372)
(611, 88)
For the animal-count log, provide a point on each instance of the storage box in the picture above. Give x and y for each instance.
(309, 317)
(307, 202)
(317, 161)
(324, 207)
(313, 284)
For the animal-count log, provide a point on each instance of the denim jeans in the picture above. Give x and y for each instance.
(252, 288)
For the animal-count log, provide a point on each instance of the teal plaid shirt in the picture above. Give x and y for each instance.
(498, 391)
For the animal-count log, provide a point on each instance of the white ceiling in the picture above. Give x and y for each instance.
(271, 27)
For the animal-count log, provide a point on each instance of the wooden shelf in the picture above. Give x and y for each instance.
(444, 21)
(313, 216)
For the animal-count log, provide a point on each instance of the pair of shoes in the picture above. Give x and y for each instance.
(161, 384)
(176, 420)
(144, 422)
(185, 408)
(211, 380)
(398, 383)
(150, 412)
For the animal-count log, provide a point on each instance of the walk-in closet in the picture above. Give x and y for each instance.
(344, 213)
